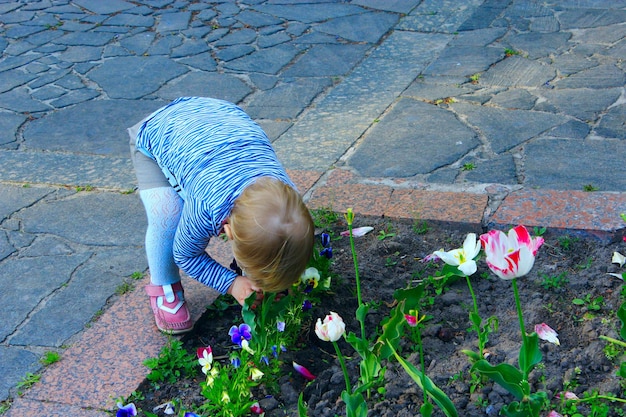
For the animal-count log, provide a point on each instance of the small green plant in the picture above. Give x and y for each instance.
(49, 358)
(136, 275)
(28, 381)
(85, 188)
(566, 242)
(585, 265)
(4, 406)
(592, 304)
(555, 281)
(511, 52)
(387, 232)
(324, 217)
(389, 262)
(590, 188)
(539, 231)
(173, 362)
(421, 227)
(475, 78)
(124, 288)
(468, 166)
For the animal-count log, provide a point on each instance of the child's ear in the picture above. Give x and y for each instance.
(228, 232)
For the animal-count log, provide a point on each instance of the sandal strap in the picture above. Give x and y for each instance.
(164, 290)
(167, 293)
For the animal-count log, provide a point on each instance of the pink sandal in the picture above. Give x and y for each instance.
(169, 307)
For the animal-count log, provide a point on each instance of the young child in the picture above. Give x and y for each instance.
(204, 167)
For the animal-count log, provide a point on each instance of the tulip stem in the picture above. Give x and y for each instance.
(356, 275)
(481, 346)
(520, 316)
(611, 340)
(342, 362)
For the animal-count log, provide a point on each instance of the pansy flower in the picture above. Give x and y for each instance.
(310, 278)
(256, 408)
(307, 305)
(240, 333)
(205, 358)
(126, 410)
(327, 250)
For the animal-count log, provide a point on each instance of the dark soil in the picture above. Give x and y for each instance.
(576, 266)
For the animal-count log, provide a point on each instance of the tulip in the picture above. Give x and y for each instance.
(545, 332)
(357, 231)
(618, 258)
(513, 255)
(303, 371)
(331, 329)
(462, 258)
(413, 318)
(554, 414)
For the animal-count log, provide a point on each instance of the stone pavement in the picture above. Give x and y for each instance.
(474, 113)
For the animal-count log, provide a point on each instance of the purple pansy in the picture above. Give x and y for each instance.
(126, 410)
(239, 334)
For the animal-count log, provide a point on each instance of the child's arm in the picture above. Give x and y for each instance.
(192, 237)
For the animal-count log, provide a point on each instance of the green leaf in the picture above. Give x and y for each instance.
(507, 376)
(355, 404)
(530, 354)
(426, 409)
(411, 297)
(622, 370)
(473, 356)
(302, 408)
(428, 386)
(361, 312)
(392, 332)
(621, 313)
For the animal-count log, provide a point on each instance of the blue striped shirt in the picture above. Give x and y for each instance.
(214, 150)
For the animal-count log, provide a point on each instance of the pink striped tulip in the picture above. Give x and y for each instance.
(513, 255)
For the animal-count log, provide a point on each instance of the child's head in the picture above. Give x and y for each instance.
(272, 234)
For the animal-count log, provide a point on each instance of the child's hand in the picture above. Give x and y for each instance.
(241, 289)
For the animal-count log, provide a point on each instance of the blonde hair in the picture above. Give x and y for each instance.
(272, 234)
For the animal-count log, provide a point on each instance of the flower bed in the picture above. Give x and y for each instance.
(469, 346)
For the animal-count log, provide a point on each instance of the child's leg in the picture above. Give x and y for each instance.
(163, 208)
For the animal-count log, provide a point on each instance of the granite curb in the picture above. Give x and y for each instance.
(105, 362)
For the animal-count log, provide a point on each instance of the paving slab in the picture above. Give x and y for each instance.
(408, 109)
